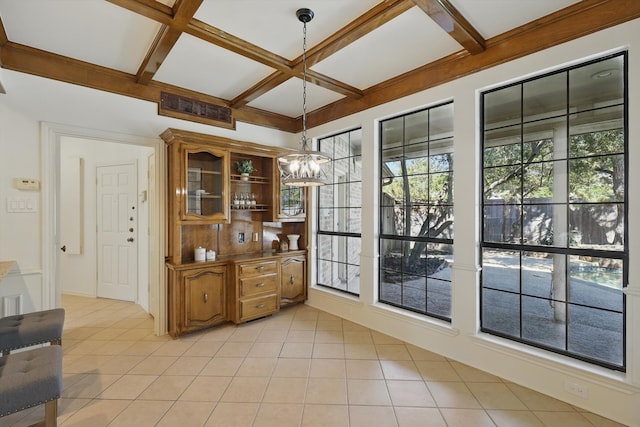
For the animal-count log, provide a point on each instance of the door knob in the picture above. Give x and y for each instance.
(130, 239)
(130, 229)
(64, 248)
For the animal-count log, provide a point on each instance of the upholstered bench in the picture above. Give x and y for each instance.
(30, 378)
(25, 330)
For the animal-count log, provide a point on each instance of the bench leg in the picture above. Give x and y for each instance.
(51, 413)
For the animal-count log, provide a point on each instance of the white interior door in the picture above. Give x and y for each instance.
(117, 221)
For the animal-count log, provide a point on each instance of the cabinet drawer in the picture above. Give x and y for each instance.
(258, 307)
(258, 284)
(257, 268)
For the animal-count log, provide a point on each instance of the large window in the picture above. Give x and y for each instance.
(554, 234)
(416, 211)
(340, 213)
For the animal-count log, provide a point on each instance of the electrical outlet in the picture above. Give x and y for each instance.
(240, 237)
(577, 389)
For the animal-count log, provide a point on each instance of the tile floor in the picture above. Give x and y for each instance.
(301, 367)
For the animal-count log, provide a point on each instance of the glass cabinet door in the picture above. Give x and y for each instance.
(292, 203)
(206, 185)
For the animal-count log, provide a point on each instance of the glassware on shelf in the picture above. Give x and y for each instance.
(245, 200)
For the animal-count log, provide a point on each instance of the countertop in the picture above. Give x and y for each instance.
(5, 266)
(228, 259)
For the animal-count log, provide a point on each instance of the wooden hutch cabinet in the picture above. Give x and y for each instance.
(243, 219)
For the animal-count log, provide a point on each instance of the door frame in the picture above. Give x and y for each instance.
(50, 134)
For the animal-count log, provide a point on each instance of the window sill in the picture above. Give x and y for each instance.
(415, 319)
(618, 381)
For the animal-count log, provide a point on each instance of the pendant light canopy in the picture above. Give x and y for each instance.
(303, 168)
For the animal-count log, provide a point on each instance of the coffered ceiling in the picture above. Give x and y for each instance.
(221, 61)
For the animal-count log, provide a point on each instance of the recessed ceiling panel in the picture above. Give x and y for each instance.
(483, 14)
(403, 44)
(287, 98)
(89, 30)
(273, 24)
(203, 67)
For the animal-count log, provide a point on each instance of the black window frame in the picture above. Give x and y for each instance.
(407, 240)
(330, 181)
(523, 248)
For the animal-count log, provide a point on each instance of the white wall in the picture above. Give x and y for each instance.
(20, 232)
(610, 393)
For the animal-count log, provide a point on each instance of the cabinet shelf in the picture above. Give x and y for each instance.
(204, 196)
(251, 179)
(256, 208)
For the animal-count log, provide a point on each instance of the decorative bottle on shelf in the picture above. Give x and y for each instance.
(236, 201)
(253, 200)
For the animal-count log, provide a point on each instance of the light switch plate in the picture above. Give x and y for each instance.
(22, 205)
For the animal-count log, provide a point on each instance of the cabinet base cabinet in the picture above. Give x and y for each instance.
(204, 295)
(293, 285)
(198, 298)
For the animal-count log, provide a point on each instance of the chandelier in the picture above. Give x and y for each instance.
(303, 168)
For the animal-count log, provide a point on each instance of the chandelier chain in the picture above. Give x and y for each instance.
(303, 168)
(304, 85)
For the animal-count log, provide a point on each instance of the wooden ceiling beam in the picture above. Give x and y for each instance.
(570, 23)
(37, 62)
(282, 65)
(3, 35)
(150, 8)
(165, 40)
(369, 21)
(453, 23)
(263, 86)
(356, 29)
(285, 69)
(237, 45)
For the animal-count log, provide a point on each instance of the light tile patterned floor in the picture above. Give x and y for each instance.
(301, 367)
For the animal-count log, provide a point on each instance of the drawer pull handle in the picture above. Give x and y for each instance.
(260, 267)
(260, 285)
(206, 297)
(260, 306)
